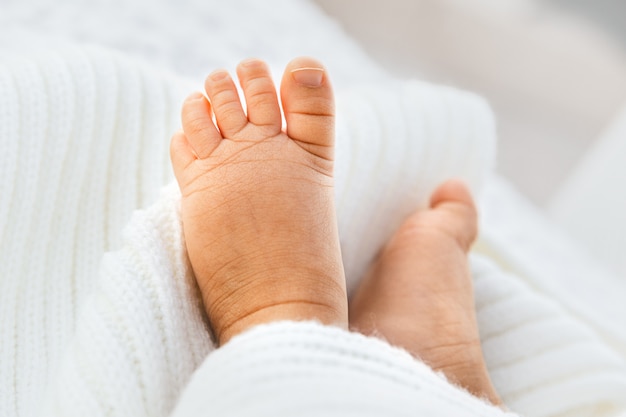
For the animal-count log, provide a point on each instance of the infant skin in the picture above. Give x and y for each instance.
(261, 231)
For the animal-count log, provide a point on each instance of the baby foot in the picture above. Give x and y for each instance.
(418, 295)
(257, 202)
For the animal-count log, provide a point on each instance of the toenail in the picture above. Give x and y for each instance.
(310, 77)
(218, 75)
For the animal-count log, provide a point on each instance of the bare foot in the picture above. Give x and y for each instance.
(257, 202)
(418, 295)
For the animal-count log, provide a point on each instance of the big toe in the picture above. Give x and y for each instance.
(309, 108)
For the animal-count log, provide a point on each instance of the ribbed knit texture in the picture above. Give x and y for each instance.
(84, 139)
(395, 143)
(84, 135)
(94, 148)
(519, 234)
(542, 360)
(141, 333)
(317, 370)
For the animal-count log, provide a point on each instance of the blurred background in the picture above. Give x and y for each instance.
(553, 70)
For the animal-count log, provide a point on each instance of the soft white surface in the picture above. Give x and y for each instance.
(132, 334)
(84, 138)
(76, 162)
(189, 37)
(86, 141)
(591, 205)
(523, 242)
(317, 370)
(521, 238)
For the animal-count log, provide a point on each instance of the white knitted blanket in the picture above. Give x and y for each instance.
(84, 135)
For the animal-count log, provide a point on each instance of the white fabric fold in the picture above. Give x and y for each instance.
(306, 369)
(92, 147)
(84, 135)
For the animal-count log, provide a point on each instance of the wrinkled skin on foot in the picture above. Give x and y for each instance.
(260, 227)
(257, 202)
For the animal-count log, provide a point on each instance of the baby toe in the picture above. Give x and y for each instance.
(201, 134)
(229, 113)
(260, 94)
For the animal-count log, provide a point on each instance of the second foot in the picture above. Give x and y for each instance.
(418, 295)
